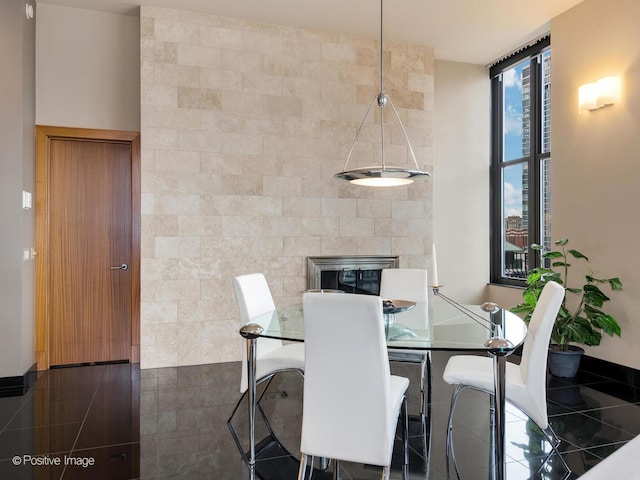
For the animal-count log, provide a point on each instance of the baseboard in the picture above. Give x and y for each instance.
(620, 373)
(627, 375)
(18, 386)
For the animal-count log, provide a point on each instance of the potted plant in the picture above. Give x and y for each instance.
(581, 318)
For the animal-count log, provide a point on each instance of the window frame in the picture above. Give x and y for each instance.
(534, 161)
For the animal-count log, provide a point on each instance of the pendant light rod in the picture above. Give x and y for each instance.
(382, 98)
(381, 59)
(382, 160)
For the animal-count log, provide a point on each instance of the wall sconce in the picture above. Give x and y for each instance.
(592, 96)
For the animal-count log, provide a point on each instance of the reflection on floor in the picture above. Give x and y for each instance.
(118, 422)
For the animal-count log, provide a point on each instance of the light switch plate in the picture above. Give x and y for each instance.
(27, 201)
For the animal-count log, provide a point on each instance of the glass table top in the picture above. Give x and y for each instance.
(433, 325)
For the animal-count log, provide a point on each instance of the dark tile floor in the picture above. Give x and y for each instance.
(118, 422)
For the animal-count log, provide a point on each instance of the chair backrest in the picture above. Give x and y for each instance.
(346, 402)
(533, 366)
(404, 284)
(254, 298)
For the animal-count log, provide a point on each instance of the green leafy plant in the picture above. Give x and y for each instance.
(581, 320)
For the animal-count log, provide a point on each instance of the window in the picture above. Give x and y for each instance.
(520, 161)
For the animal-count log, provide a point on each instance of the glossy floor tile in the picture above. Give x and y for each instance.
(118, 422)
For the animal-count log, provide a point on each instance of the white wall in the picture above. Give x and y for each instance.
(595, 169)
(461, 179)
(17, 159)
(88, 69)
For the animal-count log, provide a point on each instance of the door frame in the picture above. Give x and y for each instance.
(44, 134)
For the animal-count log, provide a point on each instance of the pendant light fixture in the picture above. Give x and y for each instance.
(382, 175)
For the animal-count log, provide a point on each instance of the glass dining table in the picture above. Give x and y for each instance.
(440, 324)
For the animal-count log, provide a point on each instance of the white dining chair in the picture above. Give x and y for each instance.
(351, 402)
(272, 356)
(410, 284)
(525, 384)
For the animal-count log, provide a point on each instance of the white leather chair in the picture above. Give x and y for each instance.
(351, 401)
(525, 384)
(623, 463)
(272, 356)
(410, 284)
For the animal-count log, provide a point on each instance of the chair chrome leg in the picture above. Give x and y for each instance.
(336, 470)
(303, 466)
(429, 377)
(448, 446)
(426, 437)
(423, 386)
(268, 379)
(324, 463)
(555, 443)
(235, 409)
(386, 471)
(311, 461)
(548, 432)
(551, 437)
(405, 439)
(450, 452)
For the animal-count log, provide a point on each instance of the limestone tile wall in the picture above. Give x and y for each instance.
(243, 126)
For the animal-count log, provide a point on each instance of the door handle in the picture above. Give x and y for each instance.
(124, 266)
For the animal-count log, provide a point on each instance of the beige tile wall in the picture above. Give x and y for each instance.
(243, 126)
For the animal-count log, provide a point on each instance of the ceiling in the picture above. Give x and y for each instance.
(471, 31)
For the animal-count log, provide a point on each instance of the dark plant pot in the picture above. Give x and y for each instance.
(564, 363)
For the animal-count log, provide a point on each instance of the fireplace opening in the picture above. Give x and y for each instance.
(350, 274)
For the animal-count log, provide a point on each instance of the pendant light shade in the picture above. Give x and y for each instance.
(382, 175)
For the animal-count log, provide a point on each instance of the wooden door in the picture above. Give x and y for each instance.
(90, 267)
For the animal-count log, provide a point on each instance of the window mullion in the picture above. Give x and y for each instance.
(534, 162)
